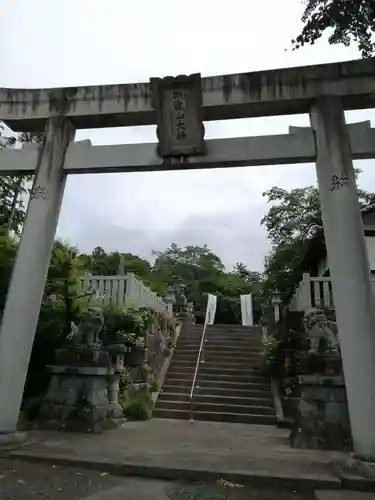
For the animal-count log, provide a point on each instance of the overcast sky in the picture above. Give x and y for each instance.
(54, 43)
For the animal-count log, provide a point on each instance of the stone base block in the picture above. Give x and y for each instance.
(322, 419)
(78, 403)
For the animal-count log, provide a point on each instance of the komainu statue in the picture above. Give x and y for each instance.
(320, 330)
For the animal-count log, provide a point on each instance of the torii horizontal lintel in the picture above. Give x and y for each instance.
(261, 93)
(296, 147)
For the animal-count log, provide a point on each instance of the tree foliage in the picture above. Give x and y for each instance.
(203, 272)
(12, 207)
(101, 263)
(297, 214)
(347, 21)
(294, 218)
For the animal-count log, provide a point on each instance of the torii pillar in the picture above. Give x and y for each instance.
(25, 293)
(349, 268)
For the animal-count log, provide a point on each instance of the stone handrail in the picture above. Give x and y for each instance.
(314, 292)
(123, 290)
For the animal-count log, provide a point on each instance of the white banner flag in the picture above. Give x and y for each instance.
(247, 310)
(211, 309)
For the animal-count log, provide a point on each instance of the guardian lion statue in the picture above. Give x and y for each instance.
(318, 327)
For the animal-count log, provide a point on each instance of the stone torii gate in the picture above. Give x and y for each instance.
(178, 107)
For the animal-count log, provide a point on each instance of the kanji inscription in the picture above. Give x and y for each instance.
(38, 193)
(339, 181)
(180, 127)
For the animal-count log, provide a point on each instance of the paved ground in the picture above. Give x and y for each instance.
(344, 495)
(179, 449)
(26, 481)
(20, 480)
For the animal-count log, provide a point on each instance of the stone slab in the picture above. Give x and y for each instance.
(135, 489)
(356, 474)
(261, 93)
(179, 449)
(343, 495)
(10, 440)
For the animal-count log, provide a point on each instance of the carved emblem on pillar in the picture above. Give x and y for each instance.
(180, 128)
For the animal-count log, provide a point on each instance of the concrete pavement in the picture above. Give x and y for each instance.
(178, 449)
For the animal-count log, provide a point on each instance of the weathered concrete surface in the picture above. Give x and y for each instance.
(296, 147)
(26, 288)
(343, 495)
(261, 93)
(199, 450)
(142, 489)
(346, 249)
(25, 481)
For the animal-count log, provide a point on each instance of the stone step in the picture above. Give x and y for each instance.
(254, 391)
(229, 378)
(213, 369)
(230, 338)
(217, 399)
(224, 334)
(215, 349)
(180, 382)
(217, 378)
(205, 406)
(217, 365)
(217, 417)
(225, 389)
(220, 341)
(231, 384)
(220, 358)
(220, 369)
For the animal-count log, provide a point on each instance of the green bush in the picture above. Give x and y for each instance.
(136, 410)
(272, 357)
(136, 402)
(166, 352)
(125, 324)
(155, 385)
(171, 343)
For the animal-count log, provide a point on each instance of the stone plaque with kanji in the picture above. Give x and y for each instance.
(178, 104)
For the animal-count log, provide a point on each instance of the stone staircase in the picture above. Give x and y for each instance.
(231, 387)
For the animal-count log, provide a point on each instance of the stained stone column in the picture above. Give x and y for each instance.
(26, 288)
(348, 262)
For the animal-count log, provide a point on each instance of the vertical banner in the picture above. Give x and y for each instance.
(211, 309)
(247, 310)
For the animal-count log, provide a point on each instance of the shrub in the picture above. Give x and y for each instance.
(170, 343)
(272, 357)
(136, 402)
(155, 385)
(136, 410)
(167, 352)
(128, 324)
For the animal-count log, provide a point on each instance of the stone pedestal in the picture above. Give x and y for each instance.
(83, 392)
(323, 418)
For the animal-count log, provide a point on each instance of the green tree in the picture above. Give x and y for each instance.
(63, 281)
(8, 251)
(346, 20)
(63, 302)
(12, 208)
(101, 263)
(297, 214)
(203, 272)
(294, 218)
(244, 273)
